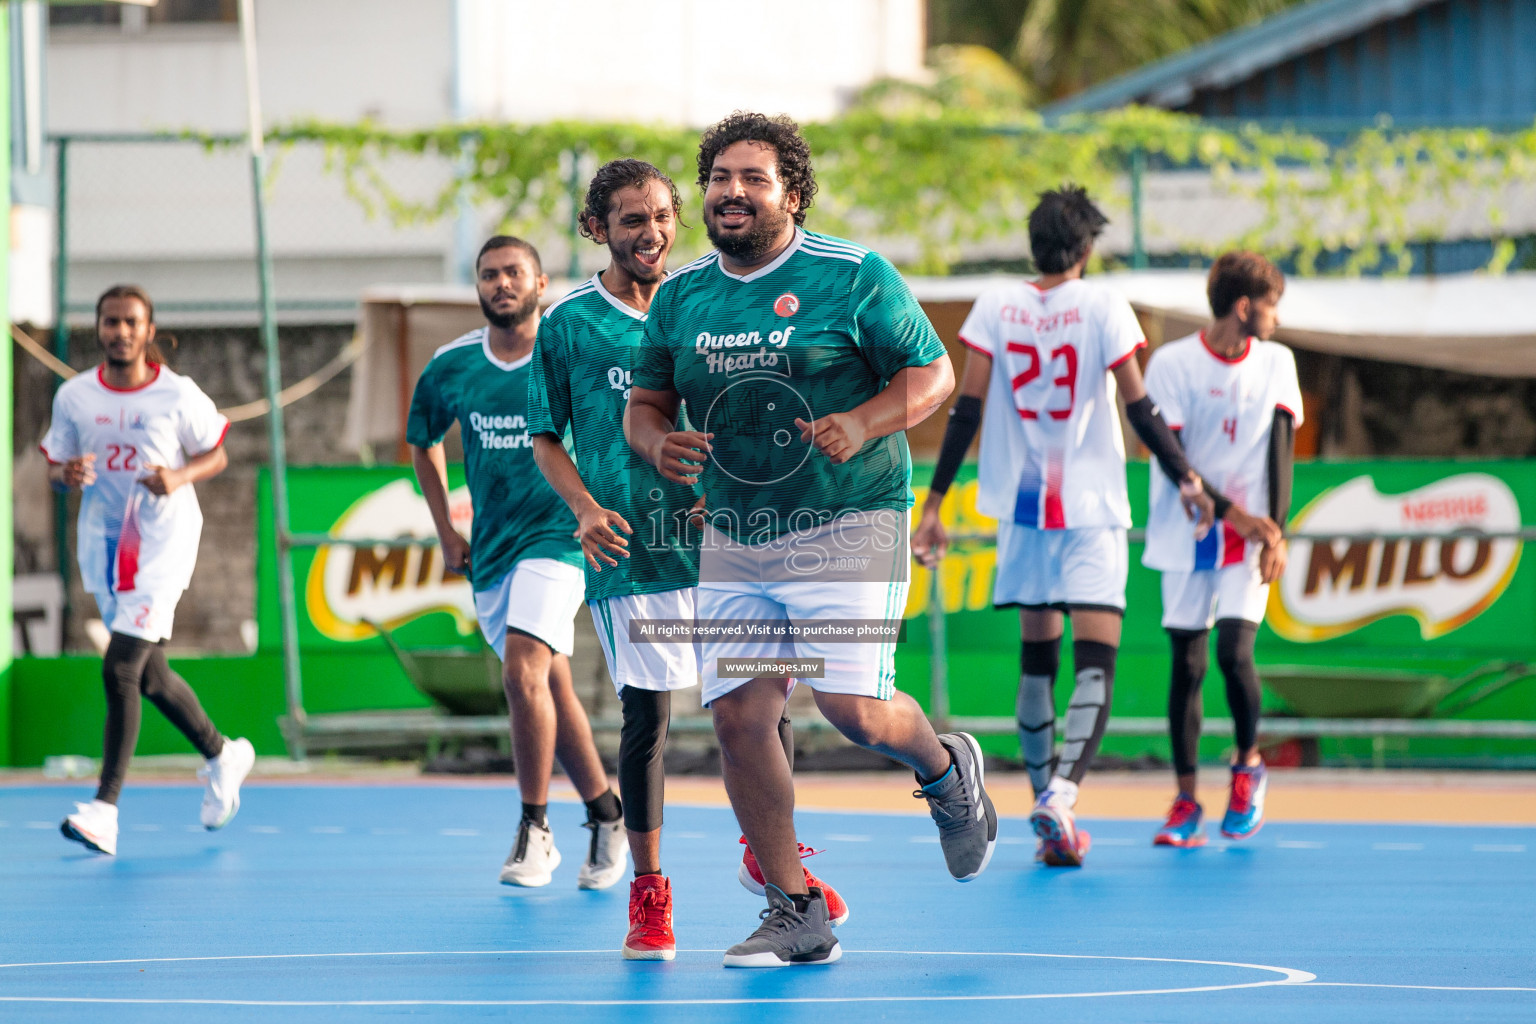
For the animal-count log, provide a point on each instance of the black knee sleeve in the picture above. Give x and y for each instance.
(1191, 653)
(1035, 709)
(1234, 653)
(642, 739)
(122, 675)
(1088, 714)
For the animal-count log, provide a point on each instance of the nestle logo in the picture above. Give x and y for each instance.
(1455, 508)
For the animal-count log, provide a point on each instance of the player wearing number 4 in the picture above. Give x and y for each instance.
(1232, 397)
(133, 437)
(1049, 355)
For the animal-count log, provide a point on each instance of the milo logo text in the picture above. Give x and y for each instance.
(1444, 579)
(350, 587)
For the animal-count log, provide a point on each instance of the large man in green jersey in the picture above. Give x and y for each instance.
(639, 539)
(522, 560)
(802, 359)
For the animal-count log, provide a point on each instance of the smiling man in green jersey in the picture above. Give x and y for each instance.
(802, 359)
(640, 544)
(523, 561)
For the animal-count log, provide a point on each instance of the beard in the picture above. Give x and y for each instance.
(755, 243)
(520, 314)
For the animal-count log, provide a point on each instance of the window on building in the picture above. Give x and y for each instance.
(166, 12)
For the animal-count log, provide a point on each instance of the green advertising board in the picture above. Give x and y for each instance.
(1357, 626)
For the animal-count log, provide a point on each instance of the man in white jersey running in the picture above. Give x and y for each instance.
(132, 436)
(1050, 355)
(522, 558)
(1233, 398)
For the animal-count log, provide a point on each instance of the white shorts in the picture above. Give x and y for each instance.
(538, 597)
(1059, 568)
(1194, 600)
(668, 665)
(141, 613)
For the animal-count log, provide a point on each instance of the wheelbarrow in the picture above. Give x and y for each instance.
(461, 681)
(1314, 691)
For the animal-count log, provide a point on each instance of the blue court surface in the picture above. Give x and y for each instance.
(340, 903)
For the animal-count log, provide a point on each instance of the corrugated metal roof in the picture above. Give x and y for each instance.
(1237, 55)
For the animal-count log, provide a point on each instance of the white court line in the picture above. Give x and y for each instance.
(838, 837)
(923, 839)
(1424, 988)
(1288, 976)
(1397, 846)
(1498, 848)
(458, 831)
(145, 828)
(1300, 844)
(195, 828)
(41, 824)
(327, 830)
(270, 830)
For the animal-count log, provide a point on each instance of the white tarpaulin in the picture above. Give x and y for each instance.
(1472, 323)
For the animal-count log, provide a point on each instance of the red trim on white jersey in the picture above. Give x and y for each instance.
(102, 377)
(1230, 361)
(48, 457)
(1134, 349)
(975, 348)
(1285, 408)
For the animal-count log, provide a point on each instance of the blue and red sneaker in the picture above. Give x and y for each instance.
(1185, 826)
(1245, 806)
(751, 877)
(1055, 854)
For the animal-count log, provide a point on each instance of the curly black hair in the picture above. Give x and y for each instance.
(621, 174)
(782, 133)
(1062, 227)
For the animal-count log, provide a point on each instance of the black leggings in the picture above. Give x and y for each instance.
(642, 740)
(1191, 656)
(135, 668)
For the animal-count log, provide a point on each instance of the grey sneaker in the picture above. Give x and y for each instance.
(962, 810)
(788, 937)
(607, 855)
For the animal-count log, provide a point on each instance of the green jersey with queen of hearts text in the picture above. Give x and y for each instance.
(820, 330)
(517, 515)
(580, 379)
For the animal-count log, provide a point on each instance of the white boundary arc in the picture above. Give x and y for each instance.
(1287, 976)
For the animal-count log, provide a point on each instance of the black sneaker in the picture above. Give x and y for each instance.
(788, 937)
(962, 810)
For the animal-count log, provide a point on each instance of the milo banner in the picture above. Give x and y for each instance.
(1445, 600)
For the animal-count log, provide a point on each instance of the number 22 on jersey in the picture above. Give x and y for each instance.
(122, 457)
(1026, 370)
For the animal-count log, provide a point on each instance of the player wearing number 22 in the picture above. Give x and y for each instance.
(1232, 396)
(133, 437)
(802, 358)
(1048, 356)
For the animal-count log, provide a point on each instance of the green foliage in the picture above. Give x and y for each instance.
(923, 180)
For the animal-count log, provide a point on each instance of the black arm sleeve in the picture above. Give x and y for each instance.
(964, 418)
(1153, 430)
(1282, 457)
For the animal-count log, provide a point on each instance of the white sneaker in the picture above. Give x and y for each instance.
(223, 774)
(533, 859)
(607, 855)
(1052, 818)
(94, 826)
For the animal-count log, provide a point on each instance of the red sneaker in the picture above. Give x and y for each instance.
(1053, 854)
(751, 877)
(650, 920)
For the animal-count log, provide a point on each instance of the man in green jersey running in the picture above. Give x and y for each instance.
(523, 561)
(640, 544)
(802, 359)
